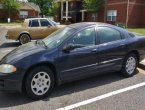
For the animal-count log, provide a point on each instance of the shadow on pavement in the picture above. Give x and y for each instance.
(85, 84)
(14, 99)
(10, 44)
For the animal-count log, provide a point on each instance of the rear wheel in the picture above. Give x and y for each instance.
(39, 83)
(129, 65)
(24, 38)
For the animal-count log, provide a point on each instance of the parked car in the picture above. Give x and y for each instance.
(33, 29)
(71, 53)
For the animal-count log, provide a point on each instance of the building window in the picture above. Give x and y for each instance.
(23, 14)
(111, 15)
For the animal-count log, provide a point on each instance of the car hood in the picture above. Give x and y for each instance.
(21, 52)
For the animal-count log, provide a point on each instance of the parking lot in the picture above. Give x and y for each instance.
(105, 92)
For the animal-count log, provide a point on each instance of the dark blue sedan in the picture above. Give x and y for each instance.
(74, 52)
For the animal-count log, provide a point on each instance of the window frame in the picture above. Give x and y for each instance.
(98, 36)
(30, 23)
(111, 16)
(45, 20)
(23, 16)
(95, 34)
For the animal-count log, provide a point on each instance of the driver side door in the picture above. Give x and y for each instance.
(79, 62)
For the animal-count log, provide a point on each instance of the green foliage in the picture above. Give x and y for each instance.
(93, 5)
(2, 1)
(45, 5)
(11, 6)
(55, 8)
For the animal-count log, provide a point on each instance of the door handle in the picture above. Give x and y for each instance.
(94, 50)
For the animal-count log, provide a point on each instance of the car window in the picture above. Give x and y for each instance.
(44, 23)
(107, 34)
(34, 23)
(85, 37)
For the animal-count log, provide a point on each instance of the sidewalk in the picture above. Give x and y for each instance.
(142, 62)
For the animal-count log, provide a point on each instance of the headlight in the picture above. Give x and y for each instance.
(6, 68)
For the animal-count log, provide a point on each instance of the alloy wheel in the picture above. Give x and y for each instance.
(40, 83)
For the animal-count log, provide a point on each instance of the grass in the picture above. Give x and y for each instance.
(10, 24)
(137, 30)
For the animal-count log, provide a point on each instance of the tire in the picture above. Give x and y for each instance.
(129, 65)
(24, 38)
(39, 83)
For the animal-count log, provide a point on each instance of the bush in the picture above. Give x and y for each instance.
(122, 25)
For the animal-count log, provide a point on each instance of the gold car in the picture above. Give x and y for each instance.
(33, 29)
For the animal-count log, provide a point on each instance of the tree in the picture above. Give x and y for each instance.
(55, 8)
(45, 5)
(93, 5)
(11, 6)
(2, 1)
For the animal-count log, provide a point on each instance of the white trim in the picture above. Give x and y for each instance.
(67, 17)
(66, 10)
(80, 67)
(111, 60)
(61, 10)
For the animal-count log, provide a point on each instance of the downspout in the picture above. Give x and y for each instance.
(127, 14)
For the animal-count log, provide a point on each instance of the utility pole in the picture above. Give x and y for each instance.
(127, 14)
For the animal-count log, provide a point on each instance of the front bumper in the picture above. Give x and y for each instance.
(9, 82)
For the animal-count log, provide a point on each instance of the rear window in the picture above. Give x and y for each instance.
(34, 23)
(44, 23)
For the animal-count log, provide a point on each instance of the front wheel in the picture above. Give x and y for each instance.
(129, 65)
(39, 83)
(24, 38)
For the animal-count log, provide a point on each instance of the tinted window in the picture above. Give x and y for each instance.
(44, 23)
(34, 23)
(85, 37)
(56, 38)
(107, 34)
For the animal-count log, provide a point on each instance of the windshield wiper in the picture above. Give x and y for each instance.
(43, 43)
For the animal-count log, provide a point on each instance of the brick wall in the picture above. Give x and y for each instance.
(136, 15)
(4, 15)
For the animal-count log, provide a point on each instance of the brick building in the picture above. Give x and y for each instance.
(128, 12)
(27, 9)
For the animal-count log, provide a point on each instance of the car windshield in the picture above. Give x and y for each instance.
(56, 38)
(53, 22)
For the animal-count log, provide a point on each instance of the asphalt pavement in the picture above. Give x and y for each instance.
(76, 95)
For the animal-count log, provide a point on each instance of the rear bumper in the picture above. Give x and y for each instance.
(10, 83)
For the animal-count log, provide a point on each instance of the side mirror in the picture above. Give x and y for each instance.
(49, 26)
(68, 48)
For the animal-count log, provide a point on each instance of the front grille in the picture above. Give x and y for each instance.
(1, 83)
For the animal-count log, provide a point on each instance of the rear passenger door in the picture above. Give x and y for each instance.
(111, 48)
(35, 29)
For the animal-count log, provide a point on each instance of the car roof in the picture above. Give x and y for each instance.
(35, 18)
(87, 24)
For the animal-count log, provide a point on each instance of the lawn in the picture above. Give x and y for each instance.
(137, 30)
(9, 24)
